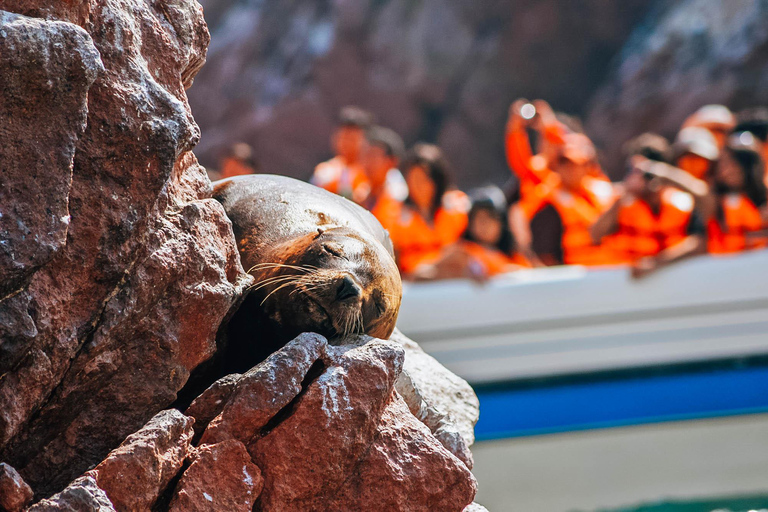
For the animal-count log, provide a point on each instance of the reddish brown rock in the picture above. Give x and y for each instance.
(307, 456)
(211, 401)
(264, 390)
(15, 494)
(406, 469)
(221, 477)
(138, 471)
(109, 319)
(82, 495)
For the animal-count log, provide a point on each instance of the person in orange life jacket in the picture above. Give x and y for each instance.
(695, 151)
(741, 216)
(562, 209)
(432, 216)
(755, 121)
(344, 173)
(717, 119)
(532, 169)
(238, 161)
(652, 224)
(487, 246)
(388, 187)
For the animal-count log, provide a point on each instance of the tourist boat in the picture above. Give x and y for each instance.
(602, 376)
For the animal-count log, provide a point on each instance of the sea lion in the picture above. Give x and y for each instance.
(321, 263)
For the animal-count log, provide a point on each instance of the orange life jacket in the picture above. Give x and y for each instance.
(417, 242)
(740, 217)
(234, 167)
(348, 181)
(491, 260)
(577, 211)
(387, 206)
(643, 233)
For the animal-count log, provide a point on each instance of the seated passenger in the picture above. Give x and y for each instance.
(432, 216)
(717, 119)
(344, 174)
(755, 121)
(562, 210)
(696, 151)
(486, 248)
(238, 161)
(388, 187)
(653, 223)
(740, 221)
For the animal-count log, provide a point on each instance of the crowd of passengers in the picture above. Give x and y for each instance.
(705, 192)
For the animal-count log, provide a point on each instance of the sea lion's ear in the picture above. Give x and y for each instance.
(320, 231)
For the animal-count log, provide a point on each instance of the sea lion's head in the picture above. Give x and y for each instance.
(336, 281)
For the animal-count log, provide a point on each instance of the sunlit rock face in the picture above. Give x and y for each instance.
(117, 271)
(693, 53)
(442, 71)
(116, 267)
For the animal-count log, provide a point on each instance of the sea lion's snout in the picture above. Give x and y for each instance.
(348, 290)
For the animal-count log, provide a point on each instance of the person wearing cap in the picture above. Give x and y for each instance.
(433, 215)
(388, 187)
(741, 217)
(717, 119)
(562, 209)
(238, 161)
(487, 246)
(696, 151)
(755, 121)
(344, 174)
(652, 224)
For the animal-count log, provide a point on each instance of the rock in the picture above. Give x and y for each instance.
(15, 494)
(442, 71)
(311, 451)
(475, 507)
(111, 312)
(210, 402)
(138, 471)
(406, 469)
(221, 477)
(692, 53)
(262, 392)
(82, 495)
(443, 401)
(42, 116)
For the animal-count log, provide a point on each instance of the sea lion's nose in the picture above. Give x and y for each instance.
(347, 289)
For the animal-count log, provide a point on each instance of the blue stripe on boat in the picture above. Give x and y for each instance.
(620, 402)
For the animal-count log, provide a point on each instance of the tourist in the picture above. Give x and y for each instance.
(388, 188)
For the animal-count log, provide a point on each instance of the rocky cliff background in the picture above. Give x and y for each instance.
(446, 71)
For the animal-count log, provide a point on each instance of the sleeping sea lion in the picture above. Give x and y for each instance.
(321, 263)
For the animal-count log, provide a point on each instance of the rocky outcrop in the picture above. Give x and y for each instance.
(117, 268)
(693, 53)
(329, 432)
(117, 272)
(441, 71)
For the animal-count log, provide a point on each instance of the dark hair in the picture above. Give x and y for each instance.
(754, 120)
(431, 158)
(650, 145)
(751, 164)
(491, 199)
(387, 139)
(355, 117)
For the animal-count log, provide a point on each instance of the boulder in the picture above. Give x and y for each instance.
(126, 267)
(82, 495)
(15, 493)
(139, 470)
(221, 477)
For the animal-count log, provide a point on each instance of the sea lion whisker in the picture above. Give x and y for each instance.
(269, 281)
(276, 290)
(263, 266)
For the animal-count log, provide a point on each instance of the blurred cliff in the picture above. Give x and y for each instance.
(445, 72)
